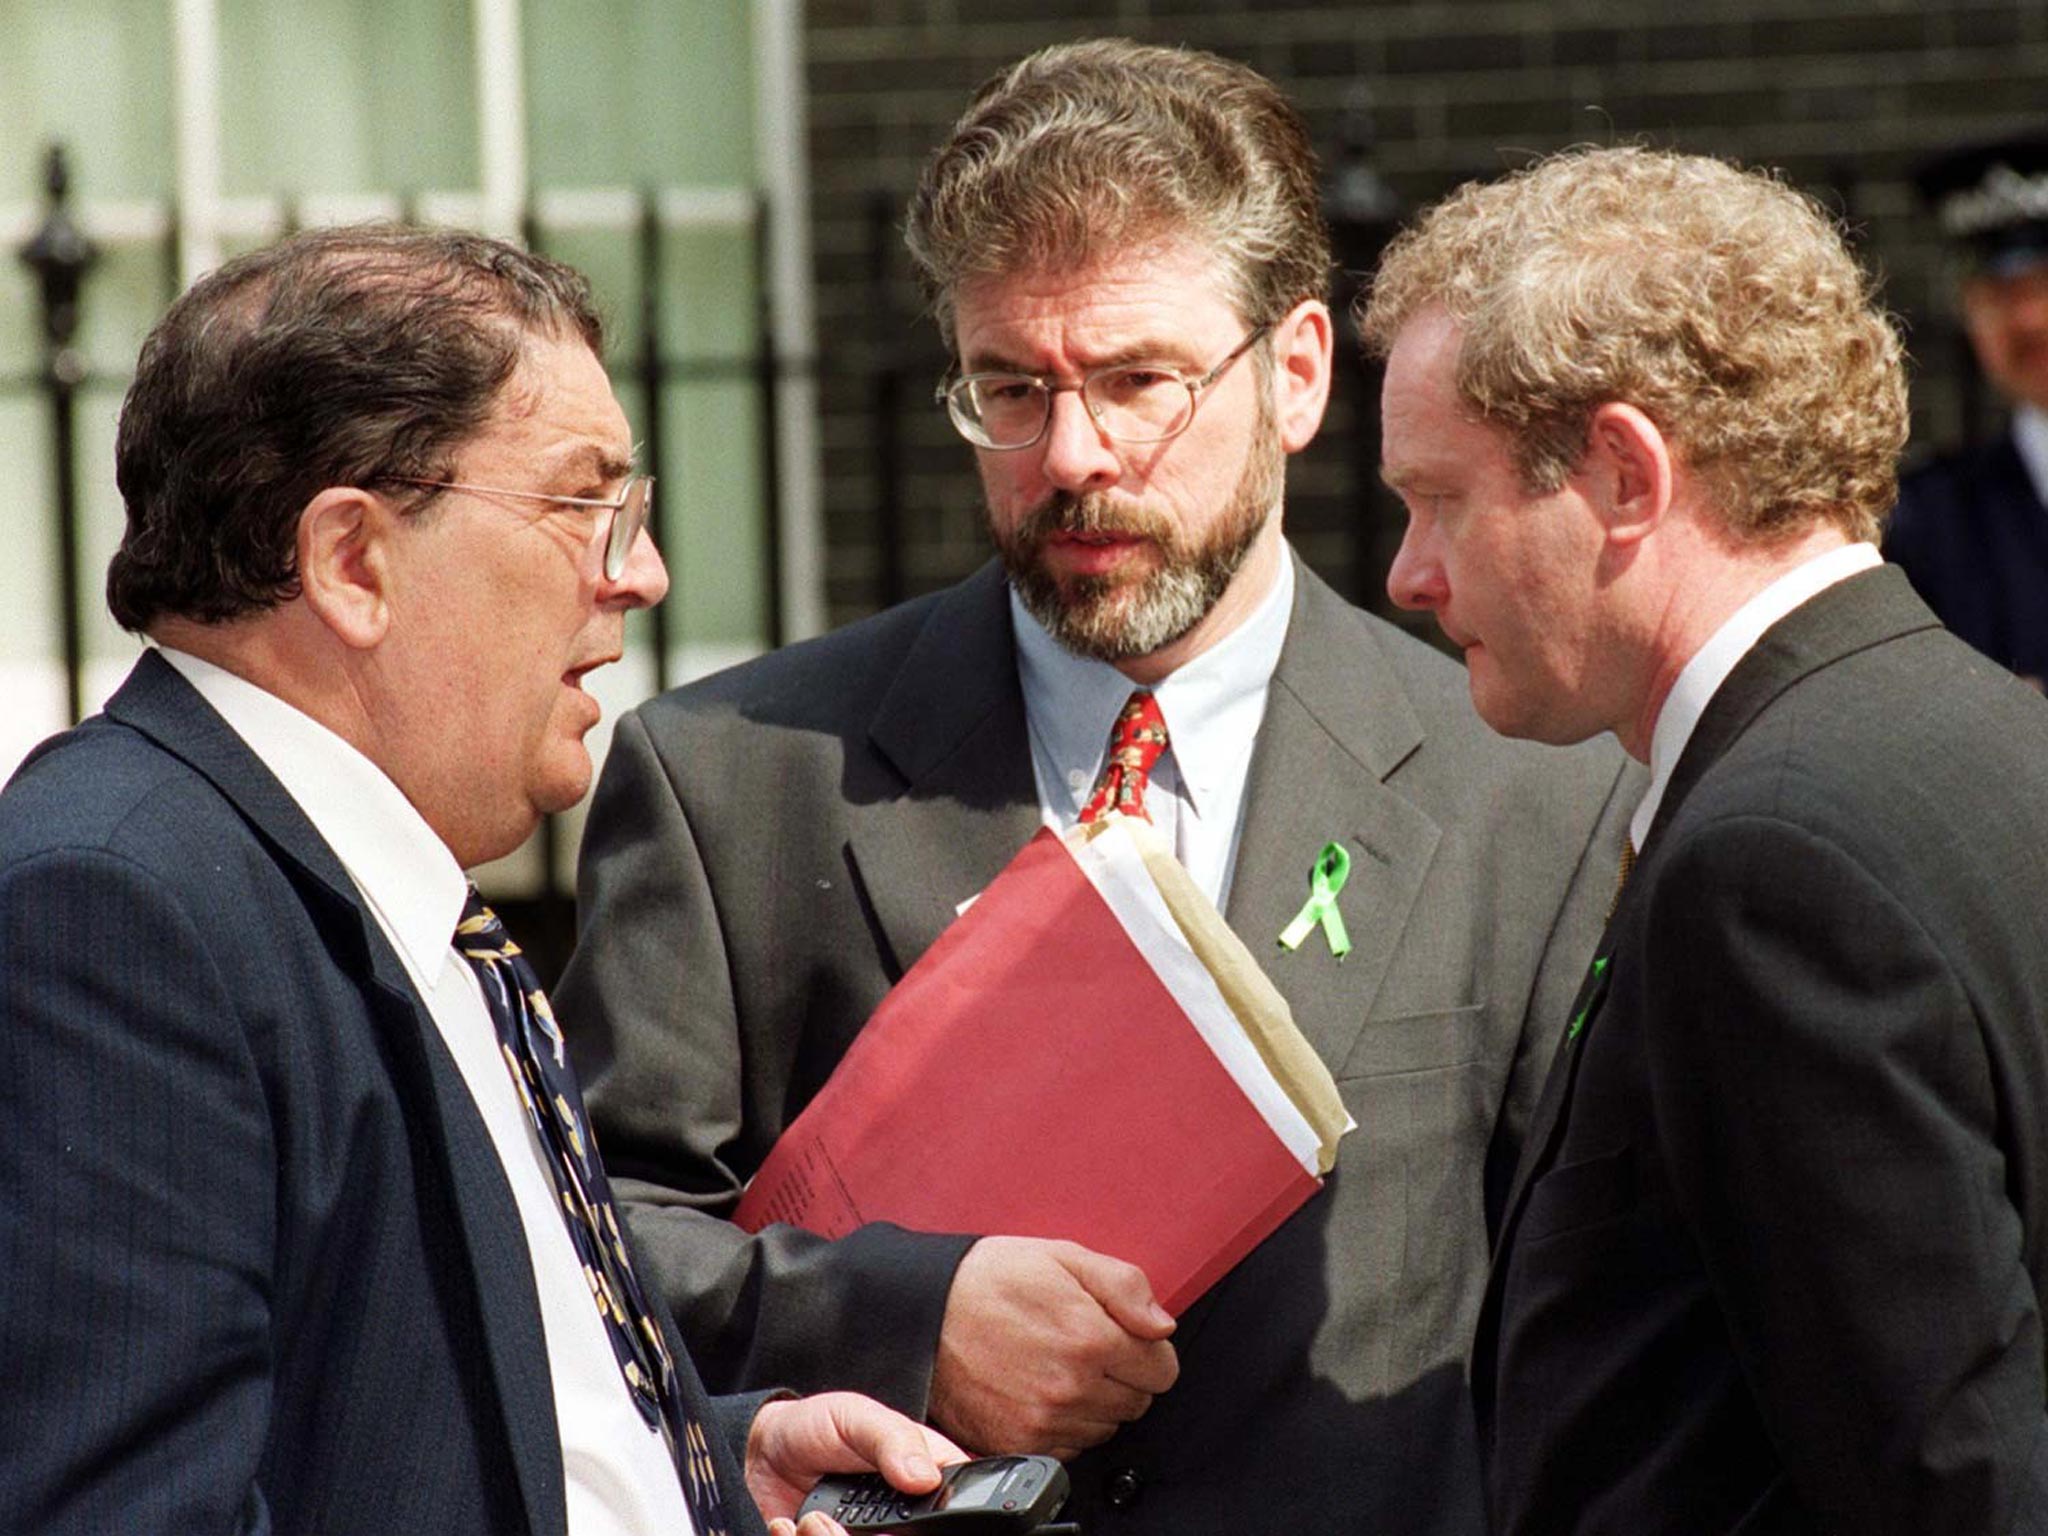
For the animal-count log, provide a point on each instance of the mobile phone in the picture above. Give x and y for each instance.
(991, 1496)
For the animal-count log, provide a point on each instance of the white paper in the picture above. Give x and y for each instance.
(1116, 870)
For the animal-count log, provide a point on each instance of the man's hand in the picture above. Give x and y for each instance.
(1047, 1347)
(796, 1441)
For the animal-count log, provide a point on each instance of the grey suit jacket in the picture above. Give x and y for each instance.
(770, 848)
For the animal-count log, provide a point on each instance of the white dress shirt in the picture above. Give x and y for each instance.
(1212, 706)
(1711, 664)
(620, 1479)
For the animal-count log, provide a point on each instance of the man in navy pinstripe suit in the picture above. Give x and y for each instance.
(283, 1250)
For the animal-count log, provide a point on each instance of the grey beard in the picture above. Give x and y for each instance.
(1115, 621)
(1112, 620)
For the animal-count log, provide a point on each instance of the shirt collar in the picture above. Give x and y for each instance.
(403, 870)
(1711, 664)
(1212, 705)
(2030, 440)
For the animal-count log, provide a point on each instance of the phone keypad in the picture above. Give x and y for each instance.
(871, 1507)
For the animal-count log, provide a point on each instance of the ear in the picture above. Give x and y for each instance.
(1302, 344)
(344, 552)
(1629, 463)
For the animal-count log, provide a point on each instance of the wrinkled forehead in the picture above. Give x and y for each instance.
(1171, 282)
(559, 405)
(1123, 242)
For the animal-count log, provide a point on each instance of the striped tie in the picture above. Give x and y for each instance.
(531, 1043)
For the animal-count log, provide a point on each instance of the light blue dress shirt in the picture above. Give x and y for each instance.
(1213, 707)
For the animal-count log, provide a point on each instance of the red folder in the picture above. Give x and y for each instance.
(1031, 1075)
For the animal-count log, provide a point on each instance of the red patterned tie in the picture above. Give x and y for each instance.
(1135, 742)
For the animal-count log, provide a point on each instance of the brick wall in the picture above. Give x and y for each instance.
(1846, 98)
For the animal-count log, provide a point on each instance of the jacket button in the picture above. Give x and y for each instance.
(1121, 1488)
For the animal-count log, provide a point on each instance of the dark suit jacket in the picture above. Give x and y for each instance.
(769, 850)
(1973, 535)
(1775, 1258)
(262, 1271)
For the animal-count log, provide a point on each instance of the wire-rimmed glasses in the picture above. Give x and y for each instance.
(1128, 402)
(629, 511)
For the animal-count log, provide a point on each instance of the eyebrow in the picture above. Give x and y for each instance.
(1149, 350)
(596, 463)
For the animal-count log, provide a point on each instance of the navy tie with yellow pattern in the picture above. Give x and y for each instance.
(531, 1044)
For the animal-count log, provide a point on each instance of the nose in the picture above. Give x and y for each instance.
(1416, 578)
(644, 581)
(1077, 457)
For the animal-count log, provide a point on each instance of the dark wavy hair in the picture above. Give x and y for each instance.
(348, 356)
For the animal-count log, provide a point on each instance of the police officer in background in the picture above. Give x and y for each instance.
(1971, 528)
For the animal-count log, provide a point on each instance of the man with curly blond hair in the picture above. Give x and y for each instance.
(1775, 1254)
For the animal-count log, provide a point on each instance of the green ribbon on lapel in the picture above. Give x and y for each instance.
(1571, 1030)
(1332, 868)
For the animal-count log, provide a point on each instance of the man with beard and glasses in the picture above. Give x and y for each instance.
(1124, 249)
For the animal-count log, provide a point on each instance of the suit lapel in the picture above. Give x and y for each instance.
(1337, 724)
(952, 725)
(487, 1218)
(1548, 1117)
(158, 702)
(1867, 609)
(1853, 615)
(1538, 1149)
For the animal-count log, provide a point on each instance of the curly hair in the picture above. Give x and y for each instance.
(1719, 301)
(348, 356)
(1089, 148)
